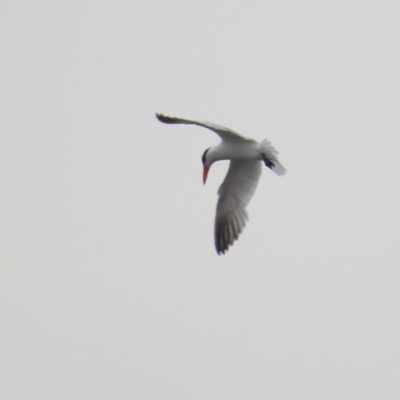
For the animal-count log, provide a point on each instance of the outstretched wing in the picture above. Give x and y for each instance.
(225, 134)
(235, 193)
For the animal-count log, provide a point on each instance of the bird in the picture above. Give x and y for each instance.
(246, 157)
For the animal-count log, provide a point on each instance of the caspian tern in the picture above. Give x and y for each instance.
(237, 189)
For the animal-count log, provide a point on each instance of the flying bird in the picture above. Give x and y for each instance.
(246, 157)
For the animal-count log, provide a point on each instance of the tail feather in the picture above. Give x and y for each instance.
(278, 168)
(270, 156)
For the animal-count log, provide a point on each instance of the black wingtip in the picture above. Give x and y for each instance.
(222, 239)
(165, 119)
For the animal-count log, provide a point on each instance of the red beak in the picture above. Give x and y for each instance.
(205, 173)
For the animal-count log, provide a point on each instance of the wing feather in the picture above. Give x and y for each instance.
(225, 134)
(235, 193)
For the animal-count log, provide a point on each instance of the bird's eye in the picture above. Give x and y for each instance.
(203, 157)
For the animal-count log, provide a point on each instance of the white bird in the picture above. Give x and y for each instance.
(237, 189)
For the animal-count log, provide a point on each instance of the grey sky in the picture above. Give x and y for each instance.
(110, 286)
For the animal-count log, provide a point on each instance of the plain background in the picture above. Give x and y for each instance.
(110, 287)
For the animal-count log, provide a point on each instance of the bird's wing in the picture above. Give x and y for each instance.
(235, 193)
(225, 134)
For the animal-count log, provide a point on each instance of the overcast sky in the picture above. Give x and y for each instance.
(110, 286)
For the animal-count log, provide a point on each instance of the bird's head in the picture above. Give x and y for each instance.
(206, 165)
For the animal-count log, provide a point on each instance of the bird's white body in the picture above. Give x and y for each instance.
(235, 151)
(246, 156)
